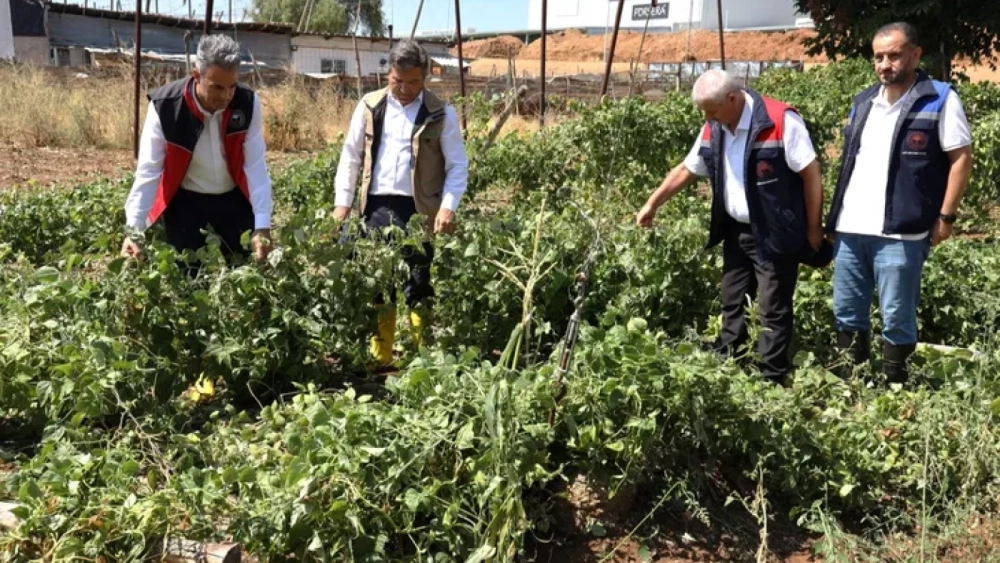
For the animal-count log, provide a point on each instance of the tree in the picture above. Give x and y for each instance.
(948, 29)
(323, 16)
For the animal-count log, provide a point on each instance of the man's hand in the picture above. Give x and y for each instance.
(940, 232)
(130, 249)
(445, 221)
(262, 246)
(341, 213)
(645, 216)
(815, 236)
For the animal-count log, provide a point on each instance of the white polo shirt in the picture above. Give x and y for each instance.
(799, 153)
(863, 211)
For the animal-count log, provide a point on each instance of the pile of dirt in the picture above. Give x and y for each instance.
(491, 48)
(573, 45)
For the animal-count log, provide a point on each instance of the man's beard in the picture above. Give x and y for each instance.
(900, 77)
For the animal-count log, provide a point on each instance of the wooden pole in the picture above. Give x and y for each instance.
(611, 49)
(208, 16)
(137, 46)
(416, 20)
(722, 43)
(357, 54)
(504, 116)
(461, 59)
(545, 17)
(187, 50)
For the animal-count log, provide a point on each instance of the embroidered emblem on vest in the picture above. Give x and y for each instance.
(237, 120)
(916, 140)
(764, 170)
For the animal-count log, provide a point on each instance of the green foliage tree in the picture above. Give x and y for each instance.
(323, 16)
(948, 28)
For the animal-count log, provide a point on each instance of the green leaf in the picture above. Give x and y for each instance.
(130, 468)
(995, 407)
(28, 491)
(47, 275)
(846, 490)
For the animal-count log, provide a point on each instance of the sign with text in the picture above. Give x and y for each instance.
(643, 11)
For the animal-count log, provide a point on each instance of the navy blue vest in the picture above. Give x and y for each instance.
(918, 167)
(774, 192)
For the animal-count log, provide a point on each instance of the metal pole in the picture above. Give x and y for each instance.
(545, 31)
(722, 43)
(208, 16)
(461, 60)
(611, 50)
(138, 72)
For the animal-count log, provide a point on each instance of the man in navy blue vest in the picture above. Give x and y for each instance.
(905, 165)
(767, 205)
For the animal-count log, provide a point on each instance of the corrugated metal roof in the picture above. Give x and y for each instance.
(448, 60)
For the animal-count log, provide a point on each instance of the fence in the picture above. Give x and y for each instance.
(652, 82)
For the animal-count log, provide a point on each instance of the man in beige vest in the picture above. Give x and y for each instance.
(409, 148)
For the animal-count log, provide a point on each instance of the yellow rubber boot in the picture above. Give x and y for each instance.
(417, 327)
(381, 347)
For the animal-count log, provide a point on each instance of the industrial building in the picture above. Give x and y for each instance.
(598, 16)
(63, 34)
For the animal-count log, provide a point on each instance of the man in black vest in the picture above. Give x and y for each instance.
(767, 203)
(201, 159)
(905, 165)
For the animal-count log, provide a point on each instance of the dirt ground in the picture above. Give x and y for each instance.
(43, 166)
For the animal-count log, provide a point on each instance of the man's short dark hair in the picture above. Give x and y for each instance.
(407, 55)
(908, 31)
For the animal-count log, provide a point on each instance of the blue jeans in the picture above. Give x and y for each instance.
(863, 262)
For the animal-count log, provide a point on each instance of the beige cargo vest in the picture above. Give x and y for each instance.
(427, 171)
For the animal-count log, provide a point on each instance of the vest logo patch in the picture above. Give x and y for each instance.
(916, 140)
(764, 170)
(237, 120)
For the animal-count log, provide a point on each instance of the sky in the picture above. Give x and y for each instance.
(483, 15)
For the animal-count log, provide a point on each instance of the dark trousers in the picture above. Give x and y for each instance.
(230, 215)
(389, 210)
(742, 277)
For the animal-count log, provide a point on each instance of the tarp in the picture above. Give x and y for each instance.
(28, 18)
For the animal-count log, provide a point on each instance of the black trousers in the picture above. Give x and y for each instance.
(230, 215)
(742, 277)
(390, 210)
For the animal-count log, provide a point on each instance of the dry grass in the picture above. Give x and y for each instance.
(53, 108)
(39, 108)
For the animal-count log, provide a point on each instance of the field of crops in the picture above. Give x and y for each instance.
(301, 456)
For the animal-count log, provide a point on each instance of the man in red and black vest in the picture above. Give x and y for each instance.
(201, 159)
(767, 201)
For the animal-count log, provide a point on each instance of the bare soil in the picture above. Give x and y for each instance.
(44, 166)
(572, 45)
(494, 47)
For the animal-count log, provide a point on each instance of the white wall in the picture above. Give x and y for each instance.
(598, 14)
(309, 59)
(6, 31)
(308, 52)
(741, 14)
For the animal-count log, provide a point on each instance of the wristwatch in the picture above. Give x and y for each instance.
(949, 218)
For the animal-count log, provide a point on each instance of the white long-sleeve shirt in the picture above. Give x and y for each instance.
(207, 172)
(391, 169)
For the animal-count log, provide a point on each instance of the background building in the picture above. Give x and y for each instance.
(596, 16)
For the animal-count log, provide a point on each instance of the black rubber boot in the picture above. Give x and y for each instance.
(894, 362)
(858, 347)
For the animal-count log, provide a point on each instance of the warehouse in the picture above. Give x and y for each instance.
(597, 16)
